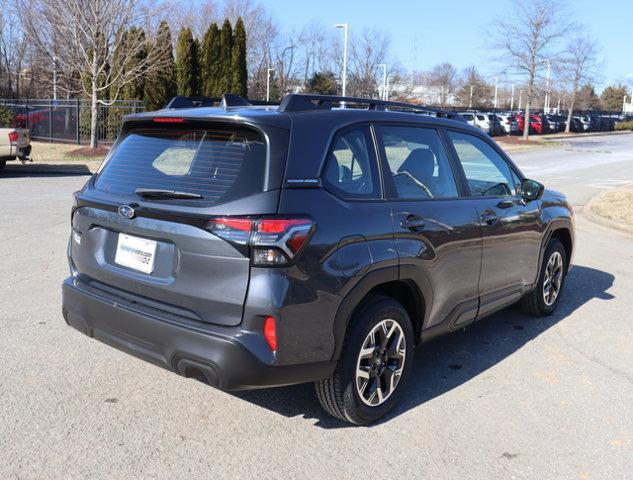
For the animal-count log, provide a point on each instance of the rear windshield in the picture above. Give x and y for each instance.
(221, 165)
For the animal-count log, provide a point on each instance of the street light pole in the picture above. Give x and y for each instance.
(470, 101)
(384, 80)
(520, 97)
(268, 83)
(496, 91)
(546, 105)
(387, 88)
(512, 99)
(344, 26)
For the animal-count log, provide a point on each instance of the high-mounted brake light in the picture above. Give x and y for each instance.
(169, 120)
(274, 240)
(13, 136)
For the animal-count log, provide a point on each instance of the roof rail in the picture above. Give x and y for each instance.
(304, 103)
(227, 100)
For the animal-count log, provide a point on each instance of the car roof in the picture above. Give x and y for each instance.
(277, 116)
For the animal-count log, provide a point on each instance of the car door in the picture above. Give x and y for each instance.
(511, 228)
(436, 231)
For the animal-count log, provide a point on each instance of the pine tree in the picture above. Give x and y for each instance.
(160, 86)
(135, 90)
(238, 65)
(210, 62)
(187, 67)
(225, 80)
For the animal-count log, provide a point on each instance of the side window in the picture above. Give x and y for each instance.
(418, 162)
(351, 171)
(487, 172)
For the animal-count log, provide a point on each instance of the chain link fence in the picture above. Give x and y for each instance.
(69, 120)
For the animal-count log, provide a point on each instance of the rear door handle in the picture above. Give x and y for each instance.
(412, 222)
(489, 218)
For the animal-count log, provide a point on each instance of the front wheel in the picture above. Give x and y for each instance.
(374, 364)
(544, 299)
(3, 163)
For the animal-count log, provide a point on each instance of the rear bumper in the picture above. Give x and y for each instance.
(225, 357)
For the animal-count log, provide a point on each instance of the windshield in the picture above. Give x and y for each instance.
(218, 165)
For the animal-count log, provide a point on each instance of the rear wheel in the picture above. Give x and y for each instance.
(374, 364)
(544, 299)
(3, 163)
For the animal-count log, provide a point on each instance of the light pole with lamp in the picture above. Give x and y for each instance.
(268, 83)
(345, 27)
(384, 80)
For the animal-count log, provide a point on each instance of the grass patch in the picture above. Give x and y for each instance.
(44, 152)
(616, 205)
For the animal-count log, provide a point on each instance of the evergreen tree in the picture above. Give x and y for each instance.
(210, 62)
(160, 86)
(239, 84)
(323, 83)
(135, 90)
(225, 79)
(187, 68)
(613, 97)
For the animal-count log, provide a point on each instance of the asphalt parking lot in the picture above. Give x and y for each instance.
(509, 397)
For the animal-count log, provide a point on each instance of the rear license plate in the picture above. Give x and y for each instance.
(136, 253)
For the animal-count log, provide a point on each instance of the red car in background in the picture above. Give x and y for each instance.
(537, 124)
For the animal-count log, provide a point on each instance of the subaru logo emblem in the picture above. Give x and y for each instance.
(126, 211)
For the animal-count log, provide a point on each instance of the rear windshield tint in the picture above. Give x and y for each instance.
(221, 165)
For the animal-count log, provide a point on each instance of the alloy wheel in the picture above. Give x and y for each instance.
(380, 362)
(553, 278)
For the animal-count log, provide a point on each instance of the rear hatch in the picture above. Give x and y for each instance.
(140, 226)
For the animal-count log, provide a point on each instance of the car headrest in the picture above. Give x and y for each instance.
(420, 164)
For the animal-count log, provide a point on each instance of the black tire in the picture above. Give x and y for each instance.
(3, 163)
(339, 394)
(534, 302)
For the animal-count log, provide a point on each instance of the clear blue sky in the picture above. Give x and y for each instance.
(456, 31)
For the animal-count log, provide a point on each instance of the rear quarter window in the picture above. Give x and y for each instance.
(221, 164)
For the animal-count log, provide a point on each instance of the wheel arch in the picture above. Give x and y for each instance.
(385, 282)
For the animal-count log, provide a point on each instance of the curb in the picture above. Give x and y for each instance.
(588, 213)
(586, 135)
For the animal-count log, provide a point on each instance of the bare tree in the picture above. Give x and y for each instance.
(528, 37)
(83, 36)
(580, 66)
(13, 48)
(369, 48)
(444, 77)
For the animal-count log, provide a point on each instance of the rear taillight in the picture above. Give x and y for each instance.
(273, 241)
(13, 137)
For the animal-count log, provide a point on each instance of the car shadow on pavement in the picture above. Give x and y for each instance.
(451, 360)
(44, 170)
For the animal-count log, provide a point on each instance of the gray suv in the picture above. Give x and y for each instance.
(256, 246)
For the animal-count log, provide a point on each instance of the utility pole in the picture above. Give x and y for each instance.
(470, 102)
(54, 77)
(384, 80)
(345, 27)
(546, 106)
(412, 59)
(268, 83)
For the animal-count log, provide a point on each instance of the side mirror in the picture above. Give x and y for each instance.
(531, 190)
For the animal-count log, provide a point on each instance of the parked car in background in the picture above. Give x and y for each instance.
(15, 144)
(557, 123)
(468, 117)
(506, 122)
(576, 125)
(536, 125)
(489, 123)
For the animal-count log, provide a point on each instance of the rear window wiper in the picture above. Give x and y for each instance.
(160, 193)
